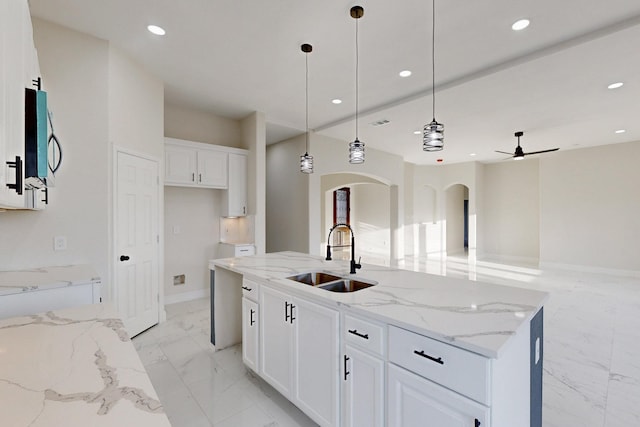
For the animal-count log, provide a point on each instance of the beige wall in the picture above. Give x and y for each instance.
(511, 223)
(370, 208)
(194, 125)
(455, 196)
(589, 207)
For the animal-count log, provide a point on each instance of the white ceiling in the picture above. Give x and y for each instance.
(233, 57)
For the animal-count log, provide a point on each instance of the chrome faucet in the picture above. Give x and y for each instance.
(353, 265)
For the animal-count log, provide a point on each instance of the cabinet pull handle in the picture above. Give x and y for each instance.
(355, 332)
(251, 321)
(421, 353)
(477, 423)
(291, 317)
(346, 373)
(286, 311)
(244, 210)
(199, 177)
(246, 289)
(46, 195)
(193, 177)
(17, 165)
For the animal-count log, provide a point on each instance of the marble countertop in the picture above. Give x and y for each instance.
(73, 367)
(15, 282)
(476, 316)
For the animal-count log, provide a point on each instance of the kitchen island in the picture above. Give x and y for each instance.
(73, 367)
(462, 352)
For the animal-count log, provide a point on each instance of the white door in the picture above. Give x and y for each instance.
(276, 339)
(316, 361)
(136, 284)
(414, 401)
(237, 192)
(363, 397)
(250, 333)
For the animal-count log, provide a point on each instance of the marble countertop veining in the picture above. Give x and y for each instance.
(74, 367)
(479, 317)
(17, 281)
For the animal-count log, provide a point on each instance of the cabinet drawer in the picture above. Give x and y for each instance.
(250, 289)
(245, 250)
(460, 370)
(364, 333)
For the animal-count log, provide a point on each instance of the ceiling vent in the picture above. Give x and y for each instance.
(380, 122)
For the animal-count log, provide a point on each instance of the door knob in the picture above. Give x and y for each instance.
(124, 257)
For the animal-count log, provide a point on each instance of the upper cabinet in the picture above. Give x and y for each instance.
(194, 164)
(189, 164)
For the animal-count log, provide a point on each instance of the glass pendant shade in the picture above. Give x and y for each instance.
(356, 152)
(433, 136)
(306, 163)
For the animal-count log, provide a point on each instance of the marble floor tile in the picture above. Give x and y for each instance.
(591, 353)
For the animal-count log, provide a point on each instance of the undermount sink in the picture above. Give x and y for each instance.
(314, 278)
(330, 282)
(346, 285)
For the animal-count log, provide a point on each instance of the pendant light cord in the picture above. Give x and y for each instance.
(306, 79)
(433, 57)
(357, 67)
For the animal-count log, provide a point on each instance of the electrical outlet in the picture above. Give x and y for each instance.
(60, 243)
(176, 229)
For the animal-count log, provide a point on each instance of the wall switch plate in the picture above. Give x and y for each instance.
(60, 243)
(176, 229)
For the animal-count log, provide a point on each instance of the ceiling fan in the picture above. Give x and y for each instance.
(519, 153)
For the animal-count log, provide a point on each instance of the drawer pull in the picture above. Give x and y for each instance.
(246, 289)
(355, 332)
(433, 359)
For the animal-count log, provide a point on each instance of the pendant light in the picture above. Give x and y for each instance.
(306, 161)
(356, 148)
(433, 133)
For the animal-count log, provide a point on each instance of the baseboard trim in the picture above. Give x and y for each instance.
(590, 269)
(509, 258)
(185, 296)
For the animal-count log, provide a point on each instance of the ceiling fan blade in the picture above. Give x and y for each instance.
(504, 152)
(542, 151)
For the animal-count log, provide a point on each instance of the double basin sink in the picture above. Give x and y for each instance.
(330, 282)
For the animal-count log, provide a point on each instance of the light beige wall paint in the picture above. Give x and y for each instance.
(136, 107)
(254, 139)
(370, 208)
(455, 196)
(589, 207)
(194, 214)
(287, 201)
(74, 68)
(199, 126)
(512, 210)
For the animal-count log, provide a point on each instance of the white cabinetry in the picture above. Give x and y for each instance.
(299, 353)
(235, 202)
(16, 72)
(250, 335)
(414, 401)
(189, 164)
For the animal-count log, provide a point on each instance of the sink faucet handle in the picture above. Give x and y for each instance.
(358, 265)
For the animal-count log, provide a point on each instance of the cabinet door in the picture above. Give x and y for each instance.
(363, 389)
(414, 401)
(250, 334)
(179, 165)
(276, 350)
(316, 361)
(237, 192)
(212, 169)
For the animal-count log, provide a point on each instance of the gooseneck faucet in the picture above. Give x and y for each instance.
(353, 265)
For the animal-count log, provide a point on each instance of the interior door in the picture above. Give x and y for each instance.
(137, 248)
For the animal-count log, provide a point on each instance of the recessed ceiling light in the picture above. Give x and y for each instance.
(621, 131)
(472, 154)
(159, 31)
(615, 85)
(417, 132)
(520, 25)
(337, 101)
(404, 73)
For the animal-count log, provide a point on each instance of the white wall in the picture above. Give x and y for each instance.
(287, 201)
(370, 207)
(192, 232)
(194, 125)
(254, 138)
(455, 196)
(511, 223)
(75, 75)
(589, 207)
